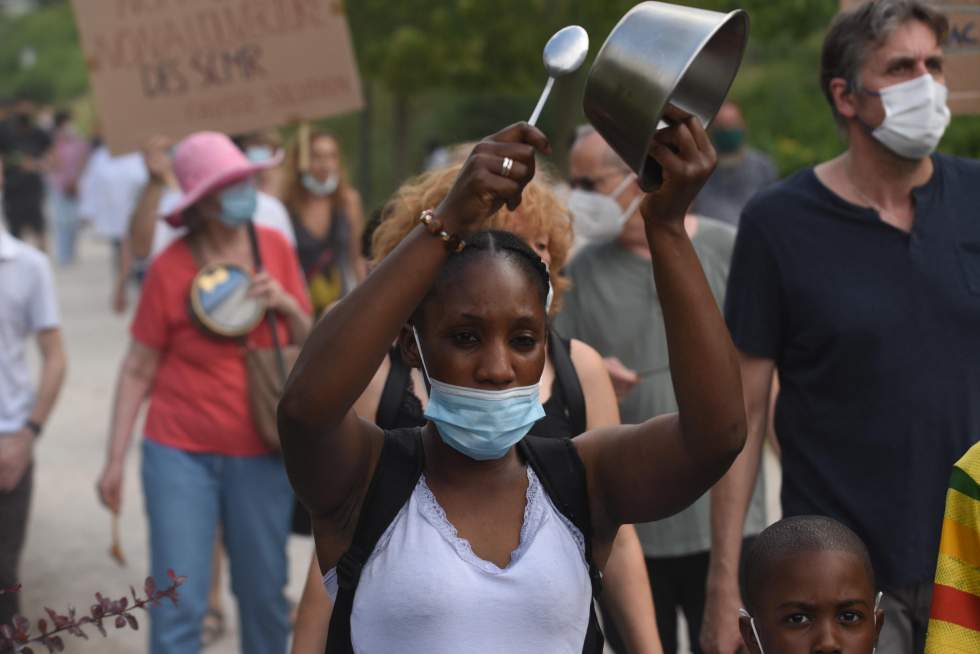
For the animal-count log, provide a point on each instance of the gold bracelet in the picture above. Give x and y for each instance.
(433, 225)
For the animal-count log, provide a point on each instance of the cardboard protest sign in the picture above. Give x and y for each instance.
(173, 67)
(962, 52)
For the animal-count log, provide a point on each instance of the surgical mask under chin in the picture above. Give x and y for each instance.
(480, 424)
(318, 188)
(238, 203)
(916, 117)
(742, 613)
(598, 217)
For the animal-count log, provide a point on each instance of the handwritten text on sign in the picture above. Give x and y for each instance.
(962, 49)
(176, 66)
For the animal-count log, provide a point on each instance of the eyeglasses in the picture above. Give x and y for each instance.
(586, 183)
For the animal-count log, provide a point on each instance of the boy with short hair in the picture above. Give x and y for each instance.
(809, 587)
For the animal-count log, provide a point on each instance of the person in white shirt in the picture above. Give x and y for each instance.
(28, 307)
(108, 191)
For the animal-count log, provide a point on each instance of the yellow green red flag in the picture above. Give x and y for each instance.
(954, 622)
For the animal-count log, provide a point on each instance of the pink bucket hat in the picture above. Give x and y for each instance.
(205, 162)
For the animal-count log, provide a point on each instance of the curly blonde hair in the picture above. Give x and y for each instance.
(540, 213)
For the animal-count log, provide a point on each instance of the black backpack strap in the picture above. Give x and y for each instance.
(571, 387)
(394, 391)
(396, 475)
(562, 474)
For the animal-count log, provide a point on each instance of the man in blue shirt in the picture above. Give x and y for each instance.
(859, 282)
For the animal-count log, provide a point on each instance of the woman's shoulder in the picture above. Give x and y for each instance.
(174, 256)
(586, 359)
(352, 198)
(273, 241)
(602, 409)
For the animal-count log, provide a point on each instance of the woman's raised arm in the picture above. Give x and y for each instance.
(328, 451)
(645, 472)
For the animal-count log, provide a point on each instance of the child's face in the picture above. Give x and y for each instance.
(815, 603)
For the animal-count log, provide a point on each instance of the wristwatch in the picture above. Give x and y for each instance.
(34, 427)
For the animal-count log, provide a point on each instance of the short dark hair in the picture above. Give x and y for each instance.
(806, 533)
(853, 34)
(61, 117)
(494, 242)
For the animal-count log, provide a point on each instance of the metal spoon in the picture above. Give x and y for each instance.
(563, 54)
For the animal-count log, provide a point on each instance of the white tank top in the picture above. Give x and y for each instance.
(423, 588)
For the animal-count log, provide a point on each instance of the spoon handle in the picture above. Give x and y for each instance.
(544, 98)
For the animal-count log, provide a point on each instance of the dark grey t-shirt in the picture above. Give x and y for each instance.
(613, 306)
(731, 186)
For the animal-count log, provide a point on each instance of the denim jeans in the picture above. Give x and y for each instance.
(64, 210)
(187, 496)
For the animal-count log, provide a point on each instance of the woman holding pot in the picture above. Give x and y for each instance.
(479, 551)
(575, 393)
(204, 462)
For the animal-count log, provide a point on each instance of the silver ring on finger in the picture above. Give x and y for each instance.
(507, 165)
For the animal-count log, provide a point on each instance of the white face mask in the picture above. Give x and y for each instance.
(318, 188)
(597, 216)
(916, 116)
(742, 613)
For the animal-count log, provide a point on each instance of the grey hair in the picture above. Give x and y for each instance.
(582, 131)
(854, 34)
(610, 158)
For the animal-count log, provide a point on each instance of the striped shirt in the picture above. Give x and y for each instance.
(954, 622)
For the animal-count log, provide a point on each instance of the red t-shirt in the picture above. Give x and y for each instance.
(199, 397)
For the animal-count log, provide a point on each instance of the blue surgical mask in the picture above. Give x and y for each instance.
(238, 203)
(259, 153)
(318, 188)
(481, 424)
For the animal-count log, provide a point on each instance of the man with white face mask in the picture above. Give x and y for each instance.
(859, 282)
(614, 307)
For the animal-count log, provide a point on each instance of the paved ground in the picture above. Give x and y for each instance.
(66, 557)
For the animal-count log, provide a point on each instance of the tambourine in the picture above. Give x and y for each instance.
(220, 302)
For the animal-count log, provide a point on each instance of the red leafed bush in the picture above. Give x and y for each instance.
(17, 637)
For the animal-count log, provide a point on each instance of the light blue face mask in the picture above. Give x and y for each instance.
(238, 203)
(481, 424)
(318, 188)
(742, 613)
(259, 153)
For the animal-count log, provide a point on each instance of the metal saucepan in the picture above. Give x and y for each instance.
(661, 58)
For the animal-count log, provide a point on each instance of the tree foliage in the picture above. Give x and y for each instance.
(458, 69)
(58, 73)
